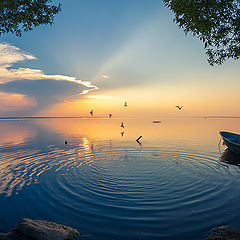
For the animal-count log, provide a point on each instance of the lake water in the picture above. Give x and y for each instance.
(174, 185)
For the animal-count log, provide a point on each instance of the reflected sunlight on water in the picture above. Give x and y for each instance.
(171, 186)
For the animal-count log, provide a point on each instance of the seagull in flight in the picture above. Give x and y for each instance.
(122, 125)
(179, 108)
(109, 115)
(125, 104)
(91, 113)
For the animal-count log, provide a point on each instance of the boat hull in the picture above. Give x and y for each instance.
(232, 141)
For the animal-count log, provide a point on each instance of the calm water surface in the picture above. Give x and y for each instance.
(172, 186)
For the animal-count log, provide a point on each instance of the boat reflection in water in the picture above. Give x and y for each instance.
(230, 157)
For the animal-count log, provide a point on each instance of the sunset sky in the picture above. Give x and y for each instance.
(99, 54)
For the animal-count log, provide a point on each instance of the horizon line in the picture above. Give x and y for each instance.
(56, 117)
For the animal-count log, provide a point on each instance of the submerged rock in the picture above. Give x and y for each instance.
(223, 233)
(29, 229)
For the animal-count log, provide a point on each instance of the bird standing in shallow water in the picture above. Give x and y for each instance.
(91, 113)
(139, 139)
(109, 115)
(122, 133)
(179, 108)
(125, 104)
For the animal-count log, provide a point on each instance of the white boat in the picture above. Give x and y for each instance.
(231, 140)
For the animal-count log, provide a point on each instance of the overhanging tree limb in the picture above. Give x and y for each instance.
(17, 16)
(215, 22)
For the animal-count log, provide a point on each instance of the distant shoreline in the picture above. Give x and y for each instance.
(173, 117)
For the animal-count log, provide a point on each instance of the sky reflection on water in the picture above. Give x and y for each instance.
(175, 179)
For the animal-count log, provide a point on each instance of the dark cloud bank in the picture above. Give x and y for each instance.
(47, 92)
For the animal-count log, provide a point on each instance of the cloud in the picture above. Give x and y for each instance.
(10, 54)
(105, 76)
(47, 92)
(45, 88)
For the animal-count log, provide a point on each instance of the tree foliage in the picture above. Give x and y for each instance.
(215, 22)
(17, 16)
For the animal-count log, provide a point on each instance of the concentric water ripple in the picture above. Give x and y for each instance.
(137, 192)
(119, 190)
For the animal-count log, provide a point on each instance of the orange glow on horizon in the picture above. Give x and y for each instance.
(150, 102)
(10, 102)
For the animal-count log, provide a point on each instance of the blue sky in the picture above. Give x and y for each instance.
(85, 34)
(135, 45)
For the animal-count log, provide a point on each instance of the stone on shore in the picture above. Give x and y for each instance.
(223, 233)
(29, 229)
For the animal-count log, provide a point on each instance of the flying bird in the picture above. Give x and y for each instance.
(122, 125)
(66, 142)
(179, 108)
(110, 115)
(122, 133)
(125, 104)
(91, 113)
